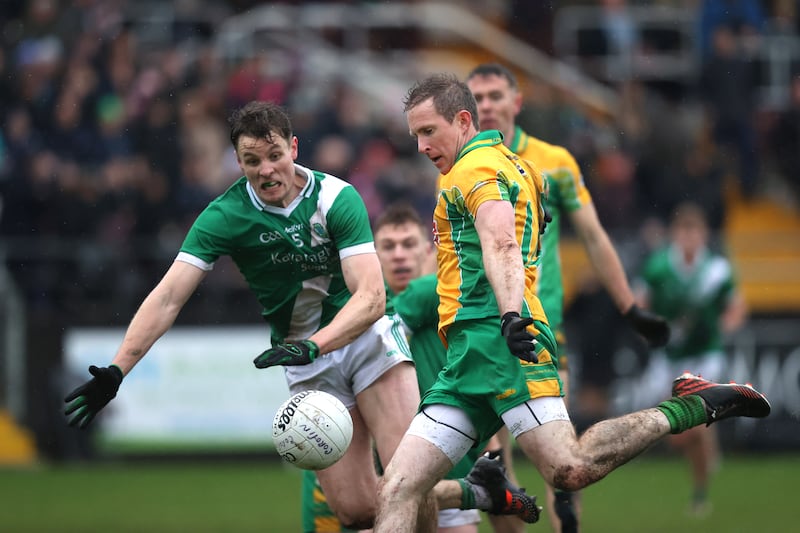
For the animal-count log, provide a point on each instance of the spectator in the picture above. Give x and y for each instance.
(622, 37)
(742, 16)
(786, 140)
(728, 88)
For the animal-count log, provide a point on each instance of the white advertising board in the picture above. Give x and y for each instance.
(196, 388)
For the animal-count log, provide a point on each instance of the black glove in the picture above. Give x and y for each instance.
(546, 219)
(520, 341)
(288, 354)
(93, 395)
(649, 325)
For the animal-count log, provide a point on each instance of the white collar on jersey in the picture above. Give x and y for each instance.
(305, 192)
(684, 269)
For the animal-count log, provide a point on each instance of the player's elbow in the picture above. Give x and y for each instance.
(373, 302)
(506, 244)
(377, 306)
(356, 517)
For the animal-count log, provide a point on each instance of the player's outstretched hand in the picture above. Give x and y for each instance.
(649, 325)
(288, 354)
(520, 341)
(87, 400)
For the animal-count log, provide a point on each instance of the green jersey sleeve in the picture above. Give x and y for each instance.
(418, 304)
(209, 236)
(349, 224)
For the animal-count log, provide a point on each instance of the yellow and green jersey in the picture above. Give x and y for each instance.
(485, 170)
(566, 192)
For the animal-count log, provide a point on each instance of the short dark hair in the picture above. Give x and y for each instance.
(259, 120)
(689, 213)
(494, 69)
(396, 214)
(450, 95)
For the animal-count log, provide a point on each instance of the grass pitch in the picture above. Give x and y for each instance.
(749, 493)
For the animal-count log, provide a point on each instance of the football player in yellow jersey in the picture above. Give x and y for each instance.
(499, 101)
(500, 369)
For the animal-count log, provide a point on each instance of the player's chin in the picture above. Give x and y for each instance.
(402, 277)
(270, 197)
(441, 165)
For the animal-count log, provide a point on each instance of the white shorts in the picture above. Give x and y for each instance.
(450, 429)
(458, 517)
(349, 370)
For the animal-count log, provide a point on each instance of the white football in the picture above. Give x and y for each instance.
(312, 430)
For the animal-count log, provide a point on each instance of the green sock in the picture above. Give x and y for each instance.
(684, 412)
(699, 495)
(467, 495)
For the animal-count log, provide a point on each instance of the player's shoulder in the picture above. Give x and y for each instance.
(541, 144)
(423, 283)
(326, 189)
(720, 263)
(500, 158)
(322, 181)
(482, 161)
(235, 189)
(553, 153)
(487, 153)
(659, 260)
(326, 180)
(232, 197)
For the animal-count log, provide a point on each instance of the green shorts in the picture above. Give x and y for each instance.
(485, 380)
(561, 360)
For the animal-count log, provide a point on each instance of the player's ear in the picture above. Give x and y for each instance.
(517, 102)
(464, 118)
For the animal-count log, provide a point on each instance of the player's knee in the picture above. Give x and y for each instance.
(357, 525)
(394, 488)
(572, 477)
(354, 512)
(356, 518)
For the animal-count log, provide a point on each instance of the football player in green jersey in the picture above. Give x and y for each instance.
(303, 243)
(499, 100)
(500, 351)
(695, 289)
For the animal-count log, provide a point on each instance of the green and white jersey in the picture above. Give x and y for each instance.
(691, 297)
(290, 257)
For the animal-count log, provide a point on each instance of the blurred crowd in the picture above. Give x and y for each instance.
(113, 140)
(110, 147)
(104, 140)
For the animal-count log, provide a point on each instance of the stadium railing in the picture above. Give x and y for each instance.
(447, 22)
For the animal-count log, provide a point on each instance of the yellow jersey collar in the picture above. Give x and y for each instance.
(483, 138)
(520, 141)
